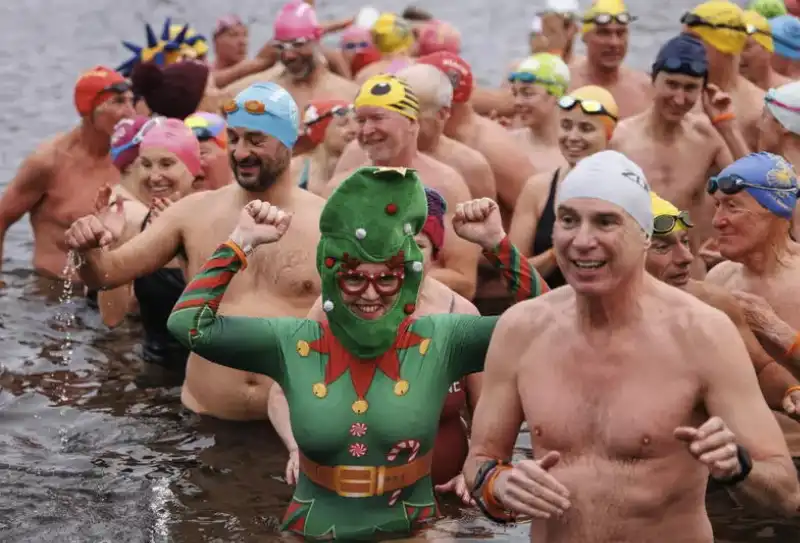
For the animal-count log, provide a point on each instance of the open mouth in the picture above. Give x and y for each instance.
(588, 264)
(370, 311)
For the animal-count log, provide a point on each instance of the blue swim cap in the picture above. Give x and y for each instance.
(266, 108)
(786, 36)
(684, 54)
(769, 172)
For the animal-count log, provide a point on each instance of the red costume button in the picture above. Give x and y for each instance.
(329, 262)
(409, 308)
(391, 209)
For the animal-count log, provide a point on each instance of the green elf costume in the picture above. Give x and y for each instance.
(364, 395)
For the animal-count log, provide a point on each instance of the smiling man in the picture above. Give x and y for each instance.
(262, 128)
(639, 433)
(678, 149)
(669, 259)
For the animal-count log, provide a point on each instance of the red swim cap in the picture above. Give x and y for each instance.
(437, 36)
(318, 115)
(97, 86)
(457, 69)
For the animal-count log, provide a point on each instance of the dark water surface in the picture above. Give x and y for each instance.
(86, 456)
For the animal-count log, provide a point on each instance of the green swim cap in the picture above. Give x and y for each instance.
(544, 69)
(768, 8)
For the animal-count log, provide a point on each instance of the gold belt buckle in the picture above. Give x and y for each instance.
(374, 479)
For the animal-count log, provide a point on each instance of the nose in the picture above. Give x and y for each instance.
(370, 295)
(719, 220)
(679, 98)
(239, 150)
(584, 240)
(683, 255)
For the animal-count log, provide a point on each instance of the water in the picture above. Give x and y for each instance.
(85, 456)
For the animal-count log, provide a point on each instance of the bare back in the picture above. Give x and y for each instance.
(470, 164)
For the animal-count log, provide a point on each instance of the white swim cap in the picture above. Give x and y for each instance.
(784, 104)
(612, 177)
(564, 7)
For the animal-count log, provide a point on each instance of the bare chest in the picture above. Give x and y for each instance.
(281, 279)
(676, 171)
(620, 403)
(73, 192)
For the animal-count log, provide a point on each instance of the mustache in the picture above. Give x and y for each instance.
(248, 162)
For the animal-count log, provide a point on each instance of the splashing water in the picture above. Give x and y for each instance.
(66, 313)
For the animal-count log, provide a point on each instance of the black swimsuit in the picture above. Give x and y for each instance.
(157, 293)
(544, 233)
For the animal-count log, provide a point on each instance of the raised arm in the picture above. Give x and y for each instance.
(732, 395)
(242, 343)
(468, 341)
(479, 221)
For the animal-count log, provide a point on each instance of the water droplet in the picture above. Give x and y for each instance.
(66, 312)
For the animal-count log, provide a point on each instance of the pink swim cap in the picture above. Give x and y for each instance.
(438, 36)
(355, 34)
(296, 21)
(174, 136)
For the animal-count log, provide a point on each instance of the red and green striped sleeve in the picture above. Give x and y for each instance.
(243, 343)
(522, 280)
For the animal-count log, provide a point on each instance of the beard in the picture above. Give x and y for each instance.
(267, 173)
(300, 67)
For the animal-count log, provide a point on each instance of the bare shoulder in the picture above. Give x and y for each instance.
(307, 202)
(469, 157)
(715, 296)
(723, 272)
(532, 317)
(627, 128)
(463, 306)
(444, 179)
(691, 316)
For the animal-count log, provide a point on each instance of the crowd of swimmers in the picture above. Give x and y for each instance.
(634, 232)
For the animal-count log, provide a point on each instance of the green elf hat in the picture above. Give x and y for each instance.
(372, 217)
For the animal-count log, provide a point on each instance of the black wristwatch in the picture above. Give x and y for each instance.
(486, 469)
(746, 466)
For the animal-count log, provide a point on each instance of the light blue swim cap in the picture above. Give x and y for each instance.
(266, 108)
(786, 36)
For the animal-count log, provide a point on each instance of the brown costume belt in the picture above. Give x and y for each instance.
(366, 481)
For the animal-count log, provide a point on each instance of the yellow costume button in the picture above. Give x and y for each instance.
(360, 407)
(401, 387)
(319, 390)
(423, 346)
(303, 348)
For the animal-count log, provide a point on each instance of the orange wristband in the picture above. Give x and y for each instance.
(238, 250)
(495, 507)
(791, 389)
(793, 347)
(723, 117)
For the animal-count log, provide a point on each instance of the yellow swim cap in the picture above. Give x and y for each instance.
(613, 8)
(720, 24)
(392, 34)
(758, 29)
(590, 97)
(390, 93)
(663, 208)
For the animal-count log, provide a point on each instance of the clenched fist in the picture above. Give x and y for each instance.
(101, 229)
(479, 221)
(259, 223)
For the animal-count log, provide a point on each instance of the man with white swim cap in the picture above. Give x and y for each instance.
(780, 127)
(617, 394)
(262, 129)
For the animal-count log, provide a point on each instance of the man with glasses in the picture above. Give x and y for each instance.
(676, 147)
(669, 258)
(605, 33)
(59, 181)
(721, 27)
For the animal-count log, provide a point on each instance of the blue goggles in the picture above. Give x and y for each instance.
(734, 184)
(136, 139)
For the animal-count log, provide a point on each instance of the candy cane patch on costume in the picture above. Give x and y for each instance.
(412, 447)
